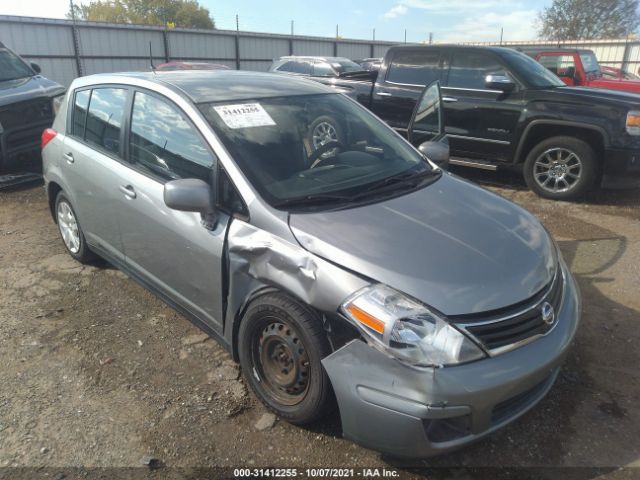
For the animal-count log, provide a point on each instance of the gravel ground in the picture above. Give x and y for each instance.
(97, 372)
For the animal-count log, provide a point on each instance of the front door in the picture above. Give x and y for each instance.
(409, 72)
(480, 122)
(170, 249)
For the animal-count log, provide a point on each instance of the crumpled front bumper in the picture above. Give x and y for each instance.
(403, 411)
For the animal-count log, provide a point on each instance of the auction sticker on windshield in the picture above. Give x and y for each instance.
(244, 115)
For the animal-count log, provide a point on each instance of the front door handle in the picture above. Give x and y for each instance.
(128, 191)
(384, 94)
(449, 99)
(68, 157)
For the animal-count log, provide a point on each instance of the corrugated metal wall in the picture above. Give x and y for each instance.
(64, 52)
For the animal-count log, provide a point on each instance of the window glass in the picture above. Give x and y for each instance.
(590, 63)
(322, 69)
(228, 197)
(287, 67)
(12, 67)
(163, 143)
(104, 122)
(415, 67)
(469, 69)
(302, 67)
(80, 113)
(561, 65)
(288, 155)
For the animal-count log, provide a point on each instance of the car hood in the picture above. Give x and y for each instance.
(452, 245)
(592, 95)
(13, 91)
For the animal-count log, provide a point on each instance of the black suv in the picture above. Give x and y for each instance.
(504, 109)
(27, 106)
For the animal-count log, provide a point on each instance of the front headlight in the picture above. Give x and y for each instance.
(407, 329)
(633, 122)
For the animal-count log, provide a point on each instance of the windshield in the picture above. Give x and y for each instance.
(313, 147)
(590, 64)
(530, 71)
(12, 67)
(345, 66)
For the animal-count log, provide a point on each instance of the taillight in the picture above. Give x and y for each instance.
(47, 135)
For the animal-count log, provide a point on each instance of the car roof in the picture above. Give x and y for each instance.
(203, 86)
(535, 50)
(313, 57)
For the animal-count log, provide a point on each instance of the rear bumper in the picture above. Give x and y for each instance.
(395, 409)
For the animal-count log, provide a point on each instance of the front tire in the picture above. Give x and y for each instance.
(281, 345)
(71, 232)
(562, 168)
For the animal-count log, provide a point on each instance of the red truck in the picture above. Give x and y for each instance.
(580, 67)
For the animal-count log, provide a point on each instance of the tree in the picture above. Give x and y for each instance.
(589, 19)
(182, 13)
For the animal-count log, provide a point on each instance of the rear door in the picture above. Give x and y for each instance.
(169, 249)
(409, 71)
(93, 153)
(480, 122)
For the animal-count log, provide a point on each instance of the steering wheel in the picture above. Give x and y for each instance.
(315, 159)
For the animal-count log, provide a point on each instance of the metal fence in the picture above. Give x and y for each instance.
(65, 50)
(624, 53)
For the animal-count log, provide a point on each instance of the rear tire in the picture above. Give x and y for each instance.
(70, 230)
(281, 345)
(562, 168)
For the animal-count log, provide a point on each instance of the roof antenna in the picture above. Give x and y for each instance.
(153, 67)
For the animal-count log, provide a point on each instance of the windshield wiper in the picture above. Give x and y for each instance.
(404, 179)
(312, 199)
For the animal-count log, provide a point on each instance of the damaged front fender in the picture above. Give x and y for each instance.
(259, 260)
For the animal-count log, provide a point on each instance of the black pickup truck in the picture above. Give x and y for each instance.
(504, 109)
(27, 107)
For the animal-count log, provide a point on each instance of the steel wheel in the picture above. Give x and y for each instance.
(282, 361)
(68, 226)
(557, 170)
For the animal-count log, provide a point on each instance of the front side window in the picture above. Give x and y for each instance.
(12, 67)
(415, 67)
(104, 121)
(164, 144)
(470, 69)
(314, 148)
(79, 115)
(590, 64)
(322, 69)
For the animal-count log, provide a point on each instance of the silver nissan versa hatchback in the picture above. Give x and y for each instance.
(346, 269)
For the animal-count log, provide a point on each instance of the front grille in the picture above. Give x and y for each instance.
(23, 114)
(502, 328)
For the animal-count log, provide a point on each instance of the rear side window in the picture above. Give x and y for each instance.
(469, 70)
(164, 143)
(104, 121)
(79, 115)
(415, 67)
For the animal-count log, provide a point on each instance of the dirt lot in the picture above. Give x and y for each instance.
(95, 371)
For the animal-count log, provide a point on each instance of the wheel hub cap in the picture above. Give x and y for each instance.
(284, 361)
(68, 227)
(558, 170)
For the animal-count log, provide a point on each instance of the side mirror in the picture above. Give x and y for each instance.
(36, 68)
(427, 120)
(191, 195)
(437, 152)
(499, 82)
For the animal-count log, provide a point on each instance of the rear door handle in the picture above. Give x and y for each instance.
(449, 99)
(68, 157)
(128, 191)
(384, 94)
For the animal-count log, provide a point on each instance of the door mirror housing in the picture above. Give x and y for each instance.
(437, 152)
(427, 120)
(36, 68)
(191, 195)
(499, 82)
